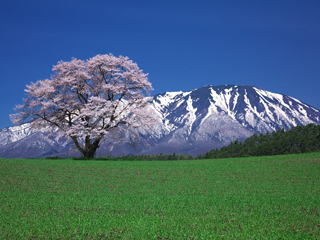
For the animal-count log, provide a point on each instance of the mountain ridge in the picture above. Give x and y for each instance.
(192, 122)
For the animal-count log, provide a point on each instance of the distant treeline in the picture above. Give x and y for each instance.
(299, 139)
(144, 157)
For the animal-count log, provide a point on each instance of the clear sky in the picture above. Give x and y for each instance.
(182, 44)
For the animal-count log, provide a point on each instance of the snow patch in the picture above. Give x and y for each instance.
(192, 114)
(235, 100)
(223, 101)
(211, 110)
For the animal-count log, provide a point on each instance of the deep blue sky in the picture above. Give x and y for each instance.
(182, 44)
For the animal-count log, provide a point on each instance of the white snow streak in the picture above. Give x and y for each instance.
(211, 109)
(223, 101)
(192, 114)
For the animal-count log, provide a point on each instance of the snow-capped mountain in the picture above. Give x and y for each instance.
(187, 122)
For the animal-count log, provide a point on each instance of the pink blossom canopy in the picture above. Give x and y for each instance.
(88, 98)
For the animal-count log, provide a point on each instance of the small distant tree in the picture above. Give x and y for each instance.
(89, 100)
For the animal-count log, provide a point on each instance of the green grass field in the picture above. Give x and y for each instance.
(275, 197)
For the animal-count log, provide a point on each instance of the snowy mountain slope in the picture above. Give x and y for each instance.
(13, 134)
(36, 145)
(190, 122)
(211, 117)
(252, 107)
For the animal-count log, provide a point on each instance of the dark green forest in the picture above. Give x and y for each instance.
(299, 139)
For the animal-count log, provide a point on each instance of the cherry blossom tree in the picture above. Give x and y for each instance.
(89, 101)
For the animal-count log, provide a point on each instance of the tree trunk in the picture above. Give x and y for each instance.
(90, 148)
(89, 153)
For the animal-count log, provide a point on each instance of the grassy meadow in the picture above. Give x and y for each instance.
(273, 197)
